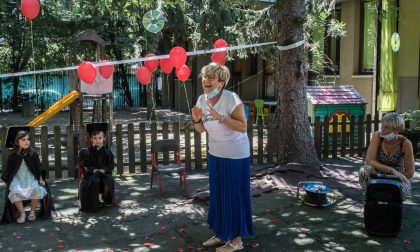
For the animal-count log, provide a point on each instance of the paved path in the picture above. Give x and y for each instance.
(144, 221)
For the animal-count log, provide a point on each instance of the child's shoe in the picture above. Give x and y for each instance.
(101, 198)
(32, 216)
(21, 218)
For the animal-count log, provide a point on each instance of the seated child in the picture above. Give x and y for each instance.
(97, 185)
(24, 179)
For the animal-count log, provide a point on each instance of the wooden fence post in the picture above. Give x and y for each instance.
(326, 140)
(197, 150)
(143, 156)
(57, 152)
(187, 138)
(352, 123)
(368, 129)
(165, 134)
(260, 142)
(70, 152)
(334, 135)
(119, 145)
(175, 130)
(131, 149)
(318, 135)
(44, 150)
(343, 136)
(360, 138)
(251, 141)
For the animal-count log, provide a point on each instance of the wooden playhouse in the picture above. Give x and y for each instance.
(335, 100)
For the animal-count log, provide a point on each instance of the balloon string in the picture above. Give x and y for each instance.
(186, 97)
(33, 64)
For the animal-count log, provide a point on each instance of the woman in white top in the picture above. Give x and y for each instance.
(221, 114)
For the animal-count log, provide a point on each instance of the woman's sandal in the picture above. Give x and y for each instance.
(229, 247)
(214, 241)
(32, 216)
(21, 218)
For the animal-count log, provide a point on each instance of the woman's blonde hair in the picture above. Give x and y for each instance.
(394, 121)
(214, 70)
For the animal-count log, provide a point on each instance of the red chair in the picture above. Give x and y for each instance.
(166, 146)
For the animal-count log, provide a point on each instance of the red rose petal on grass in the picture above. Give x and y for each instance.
(77, 250)
(148, 244)
(126, 248)
(173, 238)
(190, 246)
(304, 231)
(199, 248)
(50, 234)
(274, 221)
(406, 242)
(110, 250)
(180, 250)
(18, 236)
(268, 209)
(147, 238)
(60, 246)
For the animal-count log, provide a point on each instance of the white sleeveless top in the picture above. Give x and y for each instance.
(224, 142)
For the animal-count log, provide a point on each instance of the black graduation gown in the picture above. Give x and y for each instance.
(10, 212)
(92, 184)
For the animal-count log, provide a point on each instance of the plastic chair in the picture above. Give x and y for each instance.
(166, 146)
(259, 105)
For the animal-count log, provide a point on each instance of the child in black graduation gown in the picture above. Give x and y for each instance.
(25, 180)
(97, 162)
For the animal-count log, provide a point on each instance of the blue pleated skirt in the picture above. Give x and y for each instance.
(230, 212)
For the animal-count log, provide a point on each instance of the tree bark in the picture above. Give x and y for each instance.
(292, 140)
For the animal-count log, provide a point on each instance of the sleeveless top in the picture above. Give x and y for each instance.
(395, 160)
(223, 141)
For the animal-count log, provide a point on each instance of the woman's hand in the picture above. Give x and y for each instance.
(196, 113)
(214, 113)
(41, 182)
(401, 176)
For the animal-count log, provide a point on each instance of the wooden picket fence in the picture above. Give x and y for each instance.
(131, 144)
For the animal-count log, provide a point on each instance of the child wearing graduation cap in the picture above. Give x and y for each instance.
(97, 162)
(25, 180)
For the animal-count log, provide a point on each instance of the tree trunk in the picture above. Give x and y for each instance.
(291, 128)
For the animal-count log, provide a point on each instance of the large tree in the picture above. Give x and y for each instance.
(291, 128)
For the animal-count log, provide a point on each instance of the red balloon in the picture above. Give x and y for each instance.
(218, 57)
(151, 64)
(30, 8)
(183, 73)
(178, 56)
(106, 71)
(221, 43)
(87, 72)
(166, 65)
(144, 76)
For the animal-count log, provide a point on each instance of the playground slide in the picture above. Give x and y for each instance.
(54, 109)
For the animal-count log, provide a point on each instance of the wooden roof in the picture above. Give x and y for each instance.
(334, 95)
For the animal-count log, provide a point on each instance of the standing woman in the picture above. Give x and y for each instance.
(389, 152)
(24, 179)
(221, 114)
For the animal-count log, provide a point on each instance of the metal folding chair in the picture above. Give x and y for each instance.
(166, 146)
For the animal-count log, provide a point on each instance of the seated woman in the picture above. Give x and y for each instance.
(24, 179)
(390, 153)
(97, 185)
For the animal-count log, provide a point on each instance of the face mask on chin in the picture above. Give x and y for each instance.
(389, 136)
(213, 93)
